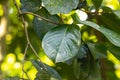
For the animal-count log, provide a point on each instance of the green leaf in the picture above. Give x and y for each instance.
(60, 6)
(50, 71)
(77, 69)
(81, 68)
(62, 42)
(107, 9)
(41, 75)
(97, 3)
(30, 5)
(82, 51)
(114, 50)
(97, 50)
(41, 27)
(112, 36)
(94, 72)
(111, 21)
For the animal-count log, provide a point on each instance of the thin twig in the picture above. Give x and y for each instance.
(26, 74)
(27, 38)
(41, 17)
(38, 56)
(25, 52)
(26, 33)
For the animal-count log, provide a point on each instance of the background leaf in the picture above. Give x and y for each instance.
(62, 42)
(110, 21)
(41, 27)
(114, 50)
(97, 50)
(97, 3)
(60, 6)
(41, 75)
(30, 5)
(94, 72)
(112, 36)
(50, 71)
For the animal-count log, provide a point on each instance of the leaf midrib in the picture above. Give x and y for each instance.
(62, 41)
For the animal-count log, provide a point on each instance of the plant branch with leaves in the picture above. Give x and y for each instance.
(65, 42)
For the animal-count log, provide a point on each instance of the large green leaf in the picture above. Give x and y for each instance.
(62, 42)
(41, 27)
(30, 5)
(111, 21)
(97, 50)
(112, 36)
(49, 70)
(97, 3)
(60, 6)
(114, 50)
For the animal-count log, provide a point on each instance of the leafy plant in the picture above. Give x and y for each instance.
(64, 42)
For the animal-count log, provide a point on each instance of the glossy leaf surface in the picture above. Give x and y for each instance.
(49, 70)
(97, 3)
(62, 42)
(60, 6)
(41, 27)
(30, 5)
(97, 50)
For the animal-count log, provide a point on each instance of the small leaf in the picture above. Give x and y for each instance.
(50, 71)
(30, 5)
(60, 6)
(41, 27)
(97, 50)
(77, 69)
(112, 36)
(82, 51)
(62, 42)
(41, 75)
(97, 3)
(114, 50)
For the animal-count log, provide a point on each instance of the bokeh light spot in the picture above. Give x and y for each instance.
(20, 56)
(8, 37)
(17, 65)
(11, 58)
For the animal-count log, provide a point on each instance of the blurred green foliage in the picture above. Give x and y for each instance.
(14, 43)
